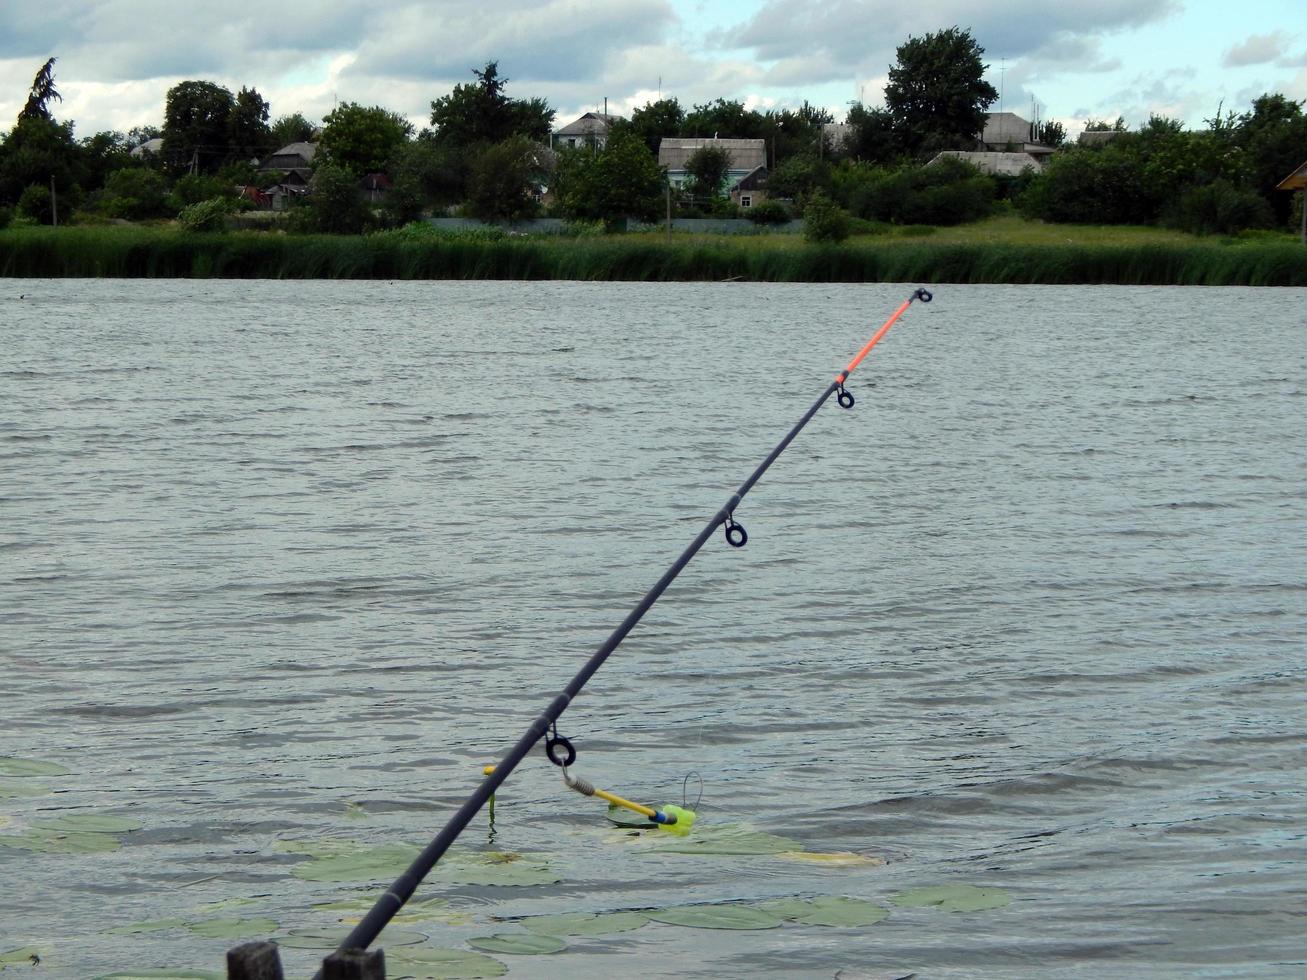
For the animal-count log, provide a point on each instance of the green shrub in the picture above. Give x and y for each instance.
(1218, 208)
(34, 205)
(135, 193)
(194, 188)
(768, 212)
(824, 220)
(210, 215)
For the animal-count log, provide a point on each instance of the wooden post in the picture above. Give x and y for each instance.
(1303, 233)
(254, 961)
(355, 964)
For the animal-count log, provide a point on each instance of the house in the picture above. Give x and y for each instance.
(745, 156)
(1006, 132)
(999, 164)
(1297, 181)
(590, 130)
(751, 189)
(294, 158)
(836, 136)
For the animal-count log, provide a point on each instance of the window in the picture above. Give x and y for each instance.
(746, 201)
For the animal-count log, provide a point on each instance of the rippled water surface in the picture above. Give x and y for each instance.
(293, 561)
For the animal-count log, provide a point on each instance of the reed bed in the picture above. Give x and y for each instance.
(168, 253)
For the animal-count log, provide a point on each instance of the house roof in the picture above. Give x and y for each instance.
(1002, 164)
(1005, 127)
(754, 180)
(290, 157)
(1296, 181)
(154, 146)
(590, 124)
(745, 154)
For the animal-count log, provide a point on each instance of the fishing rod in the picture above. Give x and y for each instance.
(559, 750)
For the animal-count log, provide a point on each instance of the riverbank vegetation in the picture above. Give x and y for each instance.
(1003, 250)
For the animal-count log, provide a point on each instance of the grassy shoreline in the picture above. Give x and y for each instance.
(1002, 250)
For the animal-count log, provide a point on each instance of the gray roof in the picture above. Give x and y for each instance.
(591, 124)
(1005, 127)
(290, 157)
(745, 155)
(154, 146)
(1003, 164)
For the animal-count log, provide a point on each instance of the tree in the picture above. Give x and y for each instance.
(623, 180)
(505, 181)
(135, 193)
(334, 206)
(937, 92)
(1050, 133)
(39, 151)
(725, 120)
(195, 126)
(708, 167)
(823, 221)
(362, 139)
(248, 135)
(294, 128)
(104, 153)
(652, 121)
(43, 91)
(480, 113)
(875, 137)
(1273, 138)
(1103, 126)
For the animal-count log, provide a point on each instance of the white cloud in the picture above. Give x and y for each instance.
(1259, 49)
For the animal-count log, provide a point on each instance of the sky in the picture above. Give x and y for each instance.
(1067, 60)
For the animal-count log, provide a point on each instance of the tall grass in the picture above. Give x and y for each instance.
(162, 253)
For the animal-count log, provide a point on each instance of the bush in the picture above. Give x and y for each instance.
(34, 204)
(947, 192)
(1218, 208)
(210, 215)
(824, 221)
(768, 213)
(135, 193)
(194, 188)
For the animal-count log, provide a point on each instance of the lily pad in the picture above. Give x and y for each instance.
(827, 910)
(584, 923)
(21, 956)
(953, 898)
(518, 943)
(321, 848)
(410, 914)
(330, 938)
(370, 864)
(164, 973)
(835, 859)
(433, 963)
(10, 788)
(90, 823)
(232, 928)
(355, 811)
(222, 905)
(729, 840)
(496, 868)
(10, 766)
(716, 917)
(151, 925)
(55, 842)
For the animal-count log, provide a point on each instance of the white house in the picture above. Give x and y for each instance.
(590, 130)
(745, 156)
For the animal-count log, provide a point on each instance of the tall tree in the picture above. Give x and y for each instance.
(363, 139)
(725, 120)
(1273, 137)
(654, 120)
(506, 179)
(248, 134)
(875, 138)
(42, 92)
(937, 91)
(481, 113)
(621, 181)
(294, 128)
(195, 126)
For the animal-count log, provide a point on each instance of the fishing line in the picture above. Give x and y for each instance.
(556, 745)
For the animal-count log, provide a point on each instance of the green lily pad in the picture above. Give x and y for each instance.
(518, 943)
(370, 864)
(232, 928)
(90, 823)
(584, 923)
(728, 840)
(222, 905)
(827, 910)
(330, 938)
(496, 868)
(54, 842)
(953, 898)
(716, 917)
(355, 811)
(21, 956)
(10, 766)
(152, 925)
(432, 963)
(10, 788)
(322, 848)
(164, 973)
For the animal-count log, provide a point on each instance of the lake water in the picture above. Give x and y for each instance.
(288, 562)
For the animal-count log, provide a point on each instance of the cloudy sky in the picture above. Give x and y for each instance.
(1074, 58)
